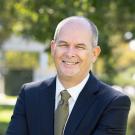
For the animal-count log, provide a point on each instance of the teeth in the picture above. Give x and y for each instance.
(70, 63)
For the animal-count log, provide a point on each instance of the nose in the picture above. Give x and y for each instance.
(70, 52)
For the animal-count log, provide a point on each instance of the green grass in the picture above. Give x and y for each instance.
(5, 115)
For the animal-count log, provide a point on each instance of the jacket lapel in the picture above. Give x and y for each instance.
(83, 103)
(46, 107)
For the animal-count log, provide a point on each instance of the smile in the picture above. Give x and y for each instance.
(70, 63)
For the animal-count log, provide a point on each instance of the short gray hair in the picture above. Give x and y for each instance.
(93, 28)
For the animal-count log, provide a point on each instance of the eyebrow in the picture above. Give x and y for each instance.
(61, 41)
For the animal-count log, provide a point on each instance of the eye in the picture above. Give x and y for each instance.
(62, 45)
(82, 47)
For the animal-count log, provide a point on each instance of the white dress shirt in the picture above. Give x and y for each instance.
(74, 92)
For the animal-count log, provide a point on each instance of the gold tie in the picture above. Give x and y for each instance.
(61, 113)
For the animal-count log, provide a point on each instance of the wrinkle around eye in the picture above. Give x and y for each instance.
(81, 47)
(62, 45)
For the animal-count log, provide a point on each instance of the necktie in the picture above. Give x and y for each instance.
(61, 113)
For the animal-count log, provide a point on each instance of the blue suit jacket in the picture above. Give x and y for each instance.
(99, 110)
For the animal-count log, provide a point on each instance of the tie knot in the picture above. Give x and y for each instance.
(65, 95)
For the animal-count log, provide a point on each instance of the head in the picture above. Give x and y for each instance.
(75, 48)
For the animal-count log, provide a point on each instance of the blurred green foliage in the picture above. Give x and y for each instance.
(38, 19)
(131, 119)
(21, 60)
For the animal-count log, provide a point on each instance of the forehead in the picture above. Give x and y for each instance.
(75, 31)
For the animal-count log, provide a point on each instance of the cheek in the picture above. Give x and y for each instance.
(87, 59)
(86, 56)
(58, 54)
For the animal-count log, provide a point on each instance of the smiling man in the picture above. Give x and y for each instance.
(74, 102)
(74, 50)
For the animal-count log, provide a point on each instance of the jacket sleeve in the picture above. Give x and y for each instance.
(114, 118)
(18, 123)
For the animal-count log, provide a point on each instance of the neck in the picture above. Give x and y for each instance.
(69, 82)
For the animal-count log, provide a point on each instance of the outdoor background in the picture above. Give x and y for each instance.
(27, 27)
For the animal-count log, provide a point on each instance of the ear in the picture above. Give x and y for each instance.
(52, 47)
(95, 53)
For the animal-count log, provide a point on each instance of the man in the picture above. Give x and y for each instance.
(91, 107)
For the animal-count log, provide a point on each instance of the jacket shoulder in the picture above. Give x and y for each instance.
(115, 95)
(37, 86)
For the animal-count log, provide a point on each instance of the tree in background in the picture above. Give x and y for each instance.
(38, 19)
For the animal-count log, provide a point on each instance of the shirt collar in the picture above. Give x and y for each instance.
(74, 91)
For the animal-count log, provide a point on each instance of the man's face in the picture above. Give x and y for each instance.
(72, 52)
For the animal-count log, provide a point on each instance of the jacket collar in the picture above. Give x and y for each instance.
(82, 105)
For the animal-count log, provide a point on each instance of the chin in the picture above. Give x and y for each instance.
(69, 75)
